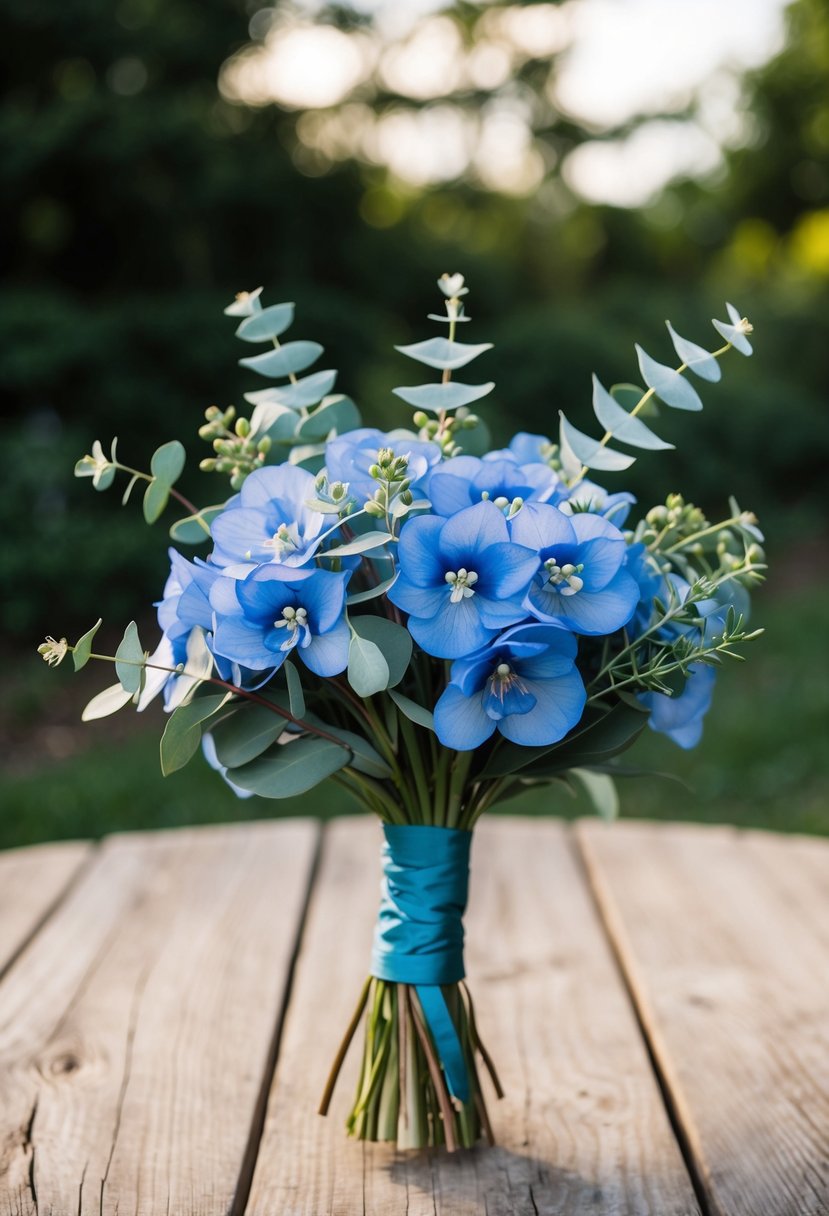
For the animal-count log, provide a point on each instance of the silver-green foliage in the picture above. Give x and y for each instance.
(580, 452)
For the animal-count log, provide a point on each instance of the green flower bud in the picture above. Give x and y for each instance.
(212, 413)
(242, 428)
(208, 465)
(376, 472)
(375, 509)
(406, 497)
(419, 418)
(264, 445)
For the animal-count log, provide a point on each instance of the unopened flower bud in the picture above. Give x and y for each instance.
(374, 508)
(376, 472)
(242, 428)
(264, 445)
(212, 413)
(229, 415)
(419, 418)
(208, 465)
(406, 497)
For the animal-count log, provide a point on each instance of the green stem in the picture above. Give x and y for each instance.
(185, 502)
(416, 767)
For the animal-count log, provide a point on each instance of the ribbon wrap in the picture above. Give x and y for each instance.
(419, 935)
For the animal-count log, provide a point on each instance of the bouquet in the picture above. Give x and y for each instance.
(434, 630)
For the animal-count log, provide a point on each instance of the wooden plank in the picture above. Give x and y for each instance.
(32, 880)
(723, 938)
(582, 1129)
(136, 1031)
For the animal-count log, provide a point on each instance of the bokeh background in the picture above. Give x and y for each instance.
(593, 167)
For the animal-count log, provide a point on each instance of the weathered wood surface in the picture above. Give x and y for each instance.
(723, 938)
(583, 1128)
(136, 1029)
(158, 1054)
(31, 883)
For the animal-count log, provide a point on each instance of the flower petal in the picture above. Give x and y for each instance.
(560, 704)
(418, 553)
(460, 722)
(455, 631)
(472, 532)
(538, 526)
(243, 642)
(327, 653)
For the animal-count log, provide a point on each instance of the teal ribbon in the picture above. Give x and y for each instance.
(419, 935)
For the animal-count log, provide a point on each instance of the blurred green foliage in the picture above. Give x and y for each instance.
(134, 200)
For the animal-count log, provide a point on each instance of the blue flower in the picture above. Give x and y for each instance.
(275, 615)
(269, 520)
(349, 457)
(651, 583)
(680, 716)
(461, 579)
(185, 606)
(525, 685)
(581, 581)
(592, 498)
(465, 480)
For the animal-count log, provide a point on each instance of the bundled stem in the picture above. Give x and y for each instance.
(402, 1094)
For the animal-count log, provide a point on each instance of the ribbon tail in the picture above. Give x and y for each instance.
(439, 1021)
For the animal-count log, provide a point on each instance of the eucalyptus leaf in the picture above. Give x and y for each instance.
(368, 671)
(362, 597)
(129, 660)
(245, 304)
(590, 452)
(364, 757)
(247, 733)
(700, 361)
(621, 425)
(601, 790)
(414, 712)
(156, 497)
(194, 529)
(267, 324)
(667, 383)
(448, 396)
(306, 392)
(443, 354)
(105, 703)
(337, 413)
(182, 734)
(167, 462)
(286, 361)
(83, 647)
(732, 332)
(296, 697)
(360, 544)
(103, 478)
(393, 640)
(291, 768)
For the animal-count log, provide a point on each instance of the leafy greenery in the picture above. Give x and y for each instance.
(761, 763)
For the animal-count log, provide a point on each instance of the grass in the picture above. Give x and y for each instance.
(763, 761)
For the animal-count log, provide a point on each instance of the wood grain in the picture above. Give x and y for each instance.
(582, 1130)
(136, 1030)
(723, 936)
(32, 880)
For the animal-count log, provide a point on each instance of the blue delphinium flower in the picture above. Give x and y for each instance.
(269, 519)
(277, 613)
(680, 716)
(581, 581)
(524, 685)
(349, 457)
(465, 480)
(185, 606)
(461, 579)
(651, 583)
(594, 499)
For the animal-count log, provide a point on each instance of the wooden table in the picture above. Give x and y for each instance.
(655, 997)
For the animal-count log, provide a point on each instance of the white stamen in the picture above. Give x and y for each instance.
(461, 582)
(564, 578)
